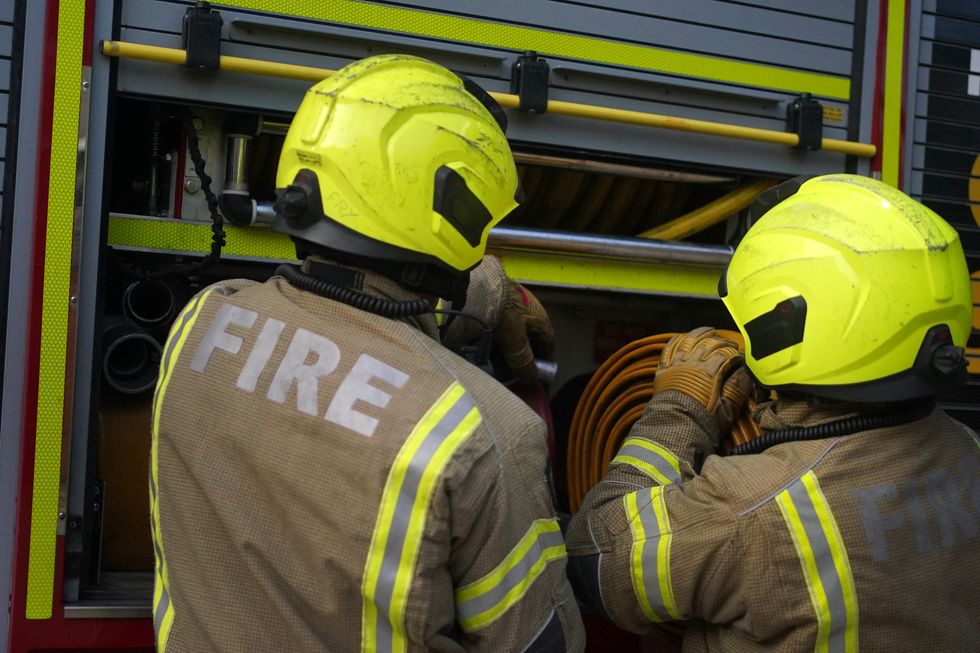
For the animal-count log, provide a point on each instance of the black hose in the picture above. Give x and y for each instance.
(382, 306)
(150, 303)
(837, 429)
(131, 356)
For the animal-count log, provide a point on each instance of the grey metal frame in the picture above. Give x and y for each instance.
(11, 411)
(331, 45)
(868, 74)
(88, 253)
(913, 51)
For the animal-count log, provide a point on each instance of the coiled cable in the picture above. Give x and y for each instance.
(612, 402)
(840, 428)
(382, 306)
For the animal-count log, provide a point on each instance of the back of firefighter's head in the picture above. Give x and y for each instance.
(396, 161)
(851, 290)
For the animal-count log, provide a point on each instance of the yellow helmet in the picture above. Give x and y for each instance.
(395, 159)
(849, 289)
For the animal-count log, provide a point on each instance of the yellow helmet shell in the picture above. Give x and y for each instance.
(875, 269)
(376, 134)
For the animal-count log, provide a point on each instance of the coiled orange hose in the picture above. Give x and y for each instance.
(612, 402)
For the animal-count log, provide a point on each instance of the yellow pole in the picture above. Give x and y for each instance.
(709, 214)
(506, 100)
(230, 64)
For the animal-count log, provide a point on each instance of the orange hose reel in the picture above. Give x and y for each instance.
(612, 402)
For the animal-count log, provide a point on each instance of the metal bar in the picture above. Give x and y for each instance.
(609, 247)
(638, 172)
(711, 213)
(273, 127)
(110, 610)
(306, 73)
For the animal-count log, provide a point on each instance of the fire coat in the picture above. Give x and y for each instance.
(867, 541)
(326, 479)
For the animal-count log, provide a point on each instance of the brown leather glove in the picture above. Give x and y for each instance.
(708, 368)
(521, 327)
(524, 323)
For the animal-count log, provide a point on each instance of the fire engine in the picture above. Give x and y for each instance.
(643, 130)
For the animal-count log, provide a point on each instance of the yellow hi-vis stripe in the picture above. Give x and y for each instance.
(650, 553)
(650, 458)
(163, 608)
(482, 602)
(519, 38)
(55, 316)
(891, 133)
(395, 544)
(826, 567)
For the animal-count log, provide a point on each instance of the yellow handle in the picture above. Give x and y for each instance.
(506, 100)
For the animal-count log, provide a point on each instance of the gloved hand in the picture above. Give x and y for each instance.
(521, 327)
(708, 368)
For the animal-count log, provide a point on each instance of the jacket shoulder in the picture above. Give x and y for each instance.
(748, 482)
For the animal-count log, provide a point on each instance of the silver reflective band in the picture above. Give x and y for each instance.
(403, 513)
(162, 607)
(654, 563)
(648, 459)
(481, 603)
(825, 565)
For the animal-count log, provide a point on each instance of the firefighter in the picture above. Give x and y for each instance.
(325, 475)
(855, 518)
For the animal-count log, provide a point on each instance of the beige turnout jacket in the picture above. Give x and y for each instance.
(867, 541)
(325, 479)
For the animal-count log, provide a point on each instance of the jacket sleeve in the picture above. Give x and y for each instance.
(508, 553)
(654, 541)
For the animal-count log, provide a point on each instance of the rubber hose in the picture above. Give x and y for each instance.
(612, 402)
(150, 303)
(130, 356)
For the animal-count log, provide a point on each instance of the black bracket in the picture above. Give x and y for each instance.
(529, 78)
(201, 30)
(804, 116)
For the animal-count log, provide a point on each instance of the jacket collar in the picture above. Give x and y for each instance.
(376, 285)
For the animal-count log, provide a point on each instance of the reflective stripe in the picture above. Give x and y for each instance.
(651, 459)
(892, 109)
(502, 36)
(482, 602)
(825, 564)
(163, 609)
(161, 606)
(536, 267)
(55, 357)
(650, 554)
(397, 537)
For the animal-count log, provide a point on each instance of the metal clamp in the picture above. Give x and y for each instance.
(804, 116)
(529, 79)
(201, 32)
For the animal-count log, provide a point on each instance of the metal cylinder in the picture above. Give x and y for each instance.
(149, 303)
(547, 370)
(265, 212)
(609, 247)
(130, 356)
(236, 162)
